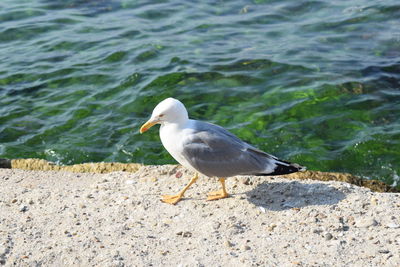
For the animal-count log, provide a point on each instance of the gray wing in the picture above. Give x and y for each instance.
(214, 151)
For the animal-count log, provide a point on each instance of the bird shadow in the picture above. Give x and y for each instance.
(287, 195)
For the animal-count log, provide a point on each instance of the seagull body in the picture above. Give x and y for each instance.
(209, 149)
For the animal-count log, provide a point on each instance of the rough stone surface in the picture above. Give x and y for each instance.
(117, 219)
(106, 167)
(43, 165)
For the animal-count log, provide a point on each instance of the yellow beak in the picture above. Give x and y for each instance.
(147, 126)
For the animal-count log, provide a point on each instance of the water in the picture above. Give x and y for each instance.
(314, 82)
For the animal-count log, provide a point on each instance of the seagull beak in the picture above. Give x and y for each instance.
(150, 123)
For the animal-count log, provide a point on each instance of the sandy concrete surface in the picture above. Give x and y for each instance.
(117, 219)
(32, 164)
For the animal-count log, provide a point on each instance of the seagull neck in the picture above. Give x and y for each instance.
(178, 123)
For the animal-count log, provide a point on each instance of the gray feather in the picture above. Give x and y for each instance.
(214, 151)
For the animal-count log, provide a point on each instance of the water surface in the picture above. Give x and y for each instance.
(315, 82)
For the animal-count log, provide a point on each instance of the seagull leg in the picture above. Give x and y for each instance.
(173, 199)
(219, 194)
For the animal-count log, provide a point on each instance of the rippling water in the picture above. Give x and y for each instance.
(315, 82)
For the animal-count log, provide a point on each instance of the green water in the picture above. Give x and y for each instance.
(314, 82)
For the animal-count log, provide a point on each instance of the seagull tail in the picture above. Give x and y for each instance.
(284, 167)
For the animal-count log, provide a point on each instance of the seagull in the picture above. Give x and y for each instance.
(209, 149)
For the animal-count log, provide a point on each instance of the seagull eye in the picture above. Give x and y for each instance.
(161, 115)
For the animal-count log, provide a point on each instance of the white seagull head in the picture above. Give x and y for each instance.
(169, 110)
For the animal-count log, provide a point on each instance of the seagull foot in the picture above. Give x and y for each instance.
(217, 195)
(171, 199)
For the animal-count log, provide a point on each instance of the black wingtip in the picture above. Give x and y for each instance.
(5, 163)
(284, 167)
